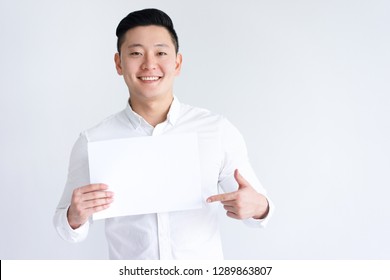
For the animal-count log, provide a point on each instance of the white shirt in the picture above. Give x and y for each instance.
(191, 234)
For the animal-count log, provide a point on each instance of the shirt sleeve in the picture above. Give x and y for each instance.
(78, 176)
(235, 156)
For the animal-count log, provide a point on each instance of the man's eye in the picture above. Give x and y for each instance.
(135, 53)
(162, 53)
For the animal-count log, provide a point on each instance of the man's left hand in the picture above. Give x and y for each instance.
(244, 203)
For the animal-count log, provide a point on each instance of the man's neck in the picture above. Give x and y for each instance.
(154, 111)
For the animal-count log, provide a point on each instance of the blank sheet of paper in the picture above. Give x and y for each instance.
(147, 174)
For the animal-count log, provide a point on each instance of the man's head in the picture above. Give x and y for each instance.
(146, 17)
(147, 56)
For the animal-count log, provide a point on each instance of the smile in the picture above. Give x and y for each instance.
(149, 78)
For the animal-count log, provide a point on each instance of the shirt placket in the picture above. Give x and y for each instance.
(164, 239)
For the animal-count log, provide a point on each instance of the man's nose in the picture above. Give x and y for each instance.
(149, 62)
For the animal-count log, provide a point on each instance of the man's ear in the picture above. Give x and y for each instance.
(118, 66)
(179, 61)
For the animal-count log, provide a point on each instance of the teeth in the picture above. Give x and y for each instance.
(149, 78)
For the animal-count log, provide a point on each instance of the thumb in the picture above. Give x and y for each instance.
(242, 183)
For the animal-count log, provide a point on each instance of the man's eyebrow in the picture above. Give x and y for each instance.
(134, 45)
(162, 45)
(140, 45)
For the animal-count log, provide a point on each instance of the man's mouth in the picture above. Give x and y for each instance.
(149, 78)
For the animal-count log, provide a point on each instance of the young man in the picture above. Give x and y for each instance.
(148, 59)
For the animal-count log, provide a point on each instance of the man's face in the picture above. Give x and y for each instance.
(148, 62)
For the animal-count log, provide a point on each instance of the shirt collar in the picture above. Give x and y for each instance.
(134, 118)
(174, 111)
(172, 117)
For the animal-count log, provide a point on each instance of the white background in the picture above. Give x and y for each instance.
(306, 82)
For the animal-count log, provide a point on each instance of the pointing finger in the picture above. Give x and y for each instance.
(222, 197)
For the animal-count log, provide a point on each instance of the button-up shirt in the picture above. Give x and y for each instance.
(190, 234)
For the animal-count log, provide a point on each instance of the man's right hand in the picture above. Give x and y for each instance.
(86, 201)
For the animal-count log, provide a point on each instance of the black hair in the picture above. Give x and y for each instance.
(146, 17)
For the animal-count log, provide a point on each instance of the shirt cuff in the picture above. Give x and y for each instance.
(261, 223)
(66, 231)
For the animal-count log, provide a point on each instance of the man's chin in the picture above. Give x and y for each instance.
(151, 96)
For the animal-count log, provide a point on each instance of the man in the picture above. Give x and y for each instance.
(148, 59)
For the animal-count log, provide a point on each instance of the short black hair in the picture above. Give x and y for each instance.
(146, 17)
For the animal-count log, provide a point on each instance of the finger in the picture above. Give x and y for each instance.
(229, 208)
(92, 188)
(229, 202)
(232, 215)
(222, 197)
(97, 203)
(97, 195)
(90, 211)
(240, 180)
(100, 208)
(95, 187)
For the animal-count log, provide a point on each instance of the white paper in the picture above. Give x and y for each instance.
(151, 174)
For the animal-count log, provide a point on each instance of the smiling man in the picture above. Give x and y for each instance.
(148, 58)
